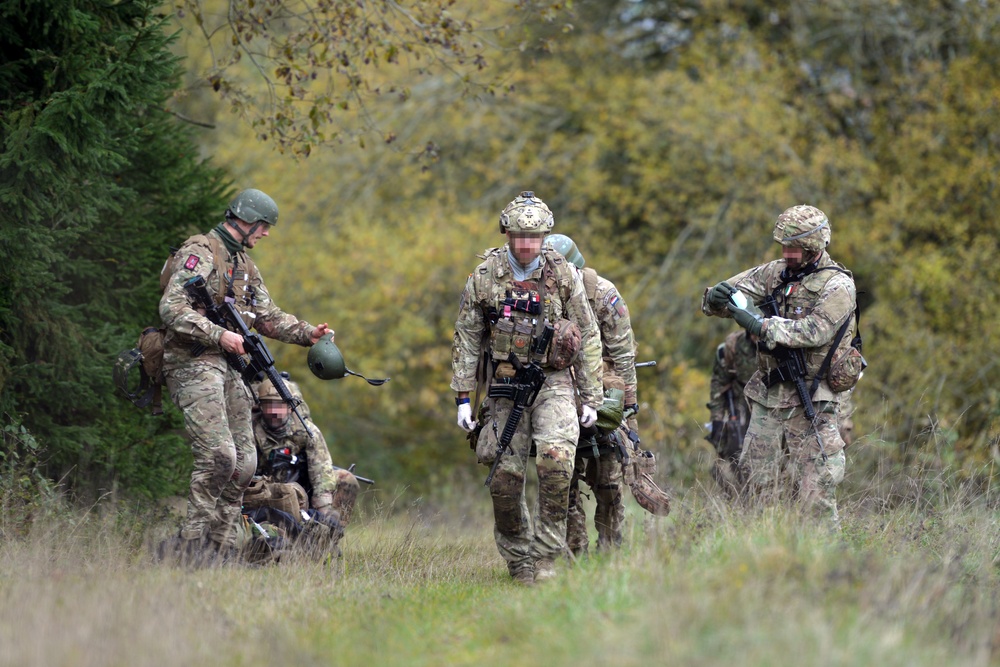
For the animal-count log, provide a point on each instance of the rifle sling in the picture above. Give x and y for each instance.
(781, 373)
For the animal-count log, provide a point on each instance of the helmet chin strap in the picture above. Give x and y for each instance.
(235, 223)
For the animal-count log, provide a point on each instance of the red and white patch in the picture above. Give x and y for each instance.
(192, 261)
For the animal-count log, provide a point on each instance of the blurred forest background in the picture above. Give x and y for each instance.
(665, 136)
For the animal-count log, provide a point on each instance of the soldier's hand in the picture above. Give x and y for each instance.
(232, 342)
(589, 417)
(320, 331)
(465, 417)
(747, 319)
(718, 296)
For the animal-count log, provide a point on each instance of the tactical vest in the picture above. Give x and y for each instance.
(515, 315)
(242, 292)
(795, 301)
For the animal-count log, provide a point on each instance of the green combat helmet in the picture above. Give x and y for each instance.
(327, 363)
(612, 410)
(325, 360)
(527, 214)
(253, 206)
(565, 246)
(804, 227)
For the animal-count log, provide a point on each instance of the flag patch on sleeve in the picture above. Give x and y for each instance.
(192, 261)
(619, 307)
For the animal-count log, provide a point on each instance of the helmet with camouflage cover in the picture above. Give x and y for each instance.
(253, 206)
(565, 246)
(804, 227)
(266, 392)
(526, 214)
(325, 359)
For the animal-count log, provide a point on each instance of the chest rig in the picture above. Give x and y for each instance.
(230, 282)
(237, 287)
(517, 324)
(794, 298)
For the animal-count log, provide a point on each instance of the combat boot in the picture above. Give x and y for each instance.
(545, 570)
(524, 576)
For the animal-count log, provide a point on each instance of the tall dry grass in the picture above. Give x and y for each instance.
(422, 584)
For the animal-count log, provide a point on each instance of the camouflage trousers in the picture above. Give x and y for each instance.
(551, 423)
(781, 458)
(216, 405)
(605, 478)
(345, 493)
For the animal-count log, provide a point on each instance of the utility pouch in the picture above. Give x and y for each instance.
(566, 343)
(502, 339)
(845, 371)
(522, 340)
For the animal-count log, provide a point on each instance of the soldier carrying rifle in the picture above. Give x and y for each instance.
(512, 302)
(201, 360)
(809, 358)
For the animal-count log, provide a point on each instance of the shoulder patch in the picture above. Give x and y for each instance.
(192, 262)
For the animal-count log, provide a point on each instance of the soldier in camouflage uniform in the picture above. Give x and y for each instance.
(816, 298)
(603, 471)
(508, 300)
(213, 397)
(735, 364)
(277, 435)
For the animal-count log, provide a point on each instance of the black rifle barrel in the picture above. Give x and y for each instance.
(261, 359)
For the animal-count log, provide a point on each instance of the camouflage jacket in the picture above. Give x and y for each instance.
(810, 313)
(485, 291)
(735, 364)
(617, 339)
(205, 255)
(299, 441)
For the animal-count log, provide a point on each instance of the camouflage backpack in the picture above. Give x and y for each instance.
(138, 372)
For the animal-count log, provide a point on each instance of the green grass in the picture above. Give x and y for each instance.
(709, 585)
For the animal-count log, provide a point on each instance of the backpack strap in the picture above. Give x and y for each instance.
(590, 283)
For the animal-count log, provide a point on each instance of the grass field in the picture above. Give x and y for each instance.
(710, 585)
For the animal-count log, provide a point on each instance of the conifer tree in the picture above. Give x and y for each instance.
(97, 180)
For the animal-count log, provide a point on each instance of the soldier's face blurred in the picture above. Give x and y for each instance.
(275, 413)
(794, 257)
(525, 247)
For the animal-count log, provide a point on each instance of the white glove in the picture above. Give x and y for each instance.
(465, 417)
(589, 417)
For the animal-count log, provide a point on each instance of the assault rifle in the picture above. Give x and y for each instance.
(288, 467)
(791, 368)
(523, 389)
(260, 360)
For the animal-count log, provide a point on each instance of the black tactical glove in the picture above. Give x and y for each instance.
(718, 296)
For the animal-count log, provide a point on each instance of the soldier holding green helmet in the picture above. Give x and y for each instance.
(815, 300)
(212, 395)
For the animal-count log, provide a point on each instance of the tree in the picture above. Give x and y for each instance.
(303, 72)
(97, 180)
